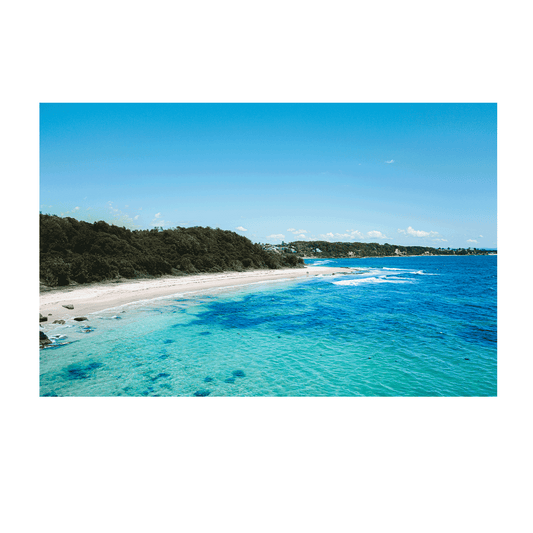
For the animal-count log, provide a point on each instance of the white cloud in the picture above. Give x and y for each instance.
(330, 235)
(135, 217)
(471, 240)
(297, 231)
(302, 236)
(481, 236)
(240, 228)
(417, 233)
(355, 233)
(291, 229)
(157, 215)
(391, 161)
(376, 234)
(76, 208)
(420, 233)
(277, 236)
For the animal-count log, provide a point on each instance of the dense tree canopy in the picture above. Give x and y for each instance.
(77, 251)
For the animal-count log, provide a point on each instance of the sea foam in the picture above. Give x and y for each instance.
(372, 280)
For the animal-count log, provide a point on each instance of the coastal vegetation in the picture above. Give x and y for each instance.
(74, 251)
(364, 249)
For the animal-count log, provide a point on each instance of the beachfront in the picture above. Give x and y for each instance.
(107, 295)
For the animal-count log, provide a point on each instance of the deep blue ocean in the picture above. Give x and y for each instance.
(398, 326)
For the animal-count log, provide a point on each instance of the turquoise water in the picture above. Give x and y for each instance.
(406, 326)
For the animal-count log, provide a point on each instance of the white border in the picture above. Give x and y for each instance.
(30, 96)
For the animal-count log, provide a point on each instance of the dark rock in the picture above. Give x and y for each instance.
(238, 373)
(42, 318)
(68, 306)
(80, 318)
(208, 379)
(202, 392)
(466, 359)
(43, 339)
(58, 322)
(168, 341)
(229, 380)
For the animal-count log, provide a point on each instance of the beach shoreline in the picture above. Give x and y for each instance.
(98, 297)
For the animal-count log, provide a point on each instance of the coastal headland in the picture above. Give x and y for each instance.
(96, 297)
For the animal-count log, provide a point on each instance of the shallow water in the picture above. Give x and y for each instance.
(419, 326)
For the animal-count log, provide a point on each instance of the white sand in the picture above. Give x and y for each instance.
(106, 295)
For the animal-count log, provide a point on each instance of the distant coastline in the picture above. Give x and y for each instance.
(414, 255)
(362, 250)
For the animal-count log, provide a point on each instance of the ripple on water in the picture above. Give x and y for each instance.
(313, 337)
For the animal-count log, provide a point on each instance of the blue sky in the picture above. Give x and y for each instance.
(399, 173)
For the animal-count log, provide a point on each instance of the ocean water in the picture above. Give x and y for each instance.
(406, 326)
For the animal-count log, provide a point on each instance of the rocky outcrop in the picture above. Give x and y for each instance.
(42, 318)
(43, 340)
(80, 318)
(58, 322)
(68, 306)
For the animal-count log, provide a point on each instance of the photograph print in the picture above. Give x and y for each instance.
(273, 250)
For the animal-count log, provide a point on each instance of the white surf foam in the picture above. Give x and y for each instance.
(372, 279)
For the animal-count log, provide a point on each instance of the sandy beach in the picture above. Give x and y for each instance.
(107, 295)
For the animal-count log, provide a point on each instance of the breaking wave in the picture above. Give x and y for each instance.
(359, 281)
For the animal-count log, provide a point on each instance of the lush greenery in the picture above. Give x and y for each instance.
(362, 249)
(77, 251)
